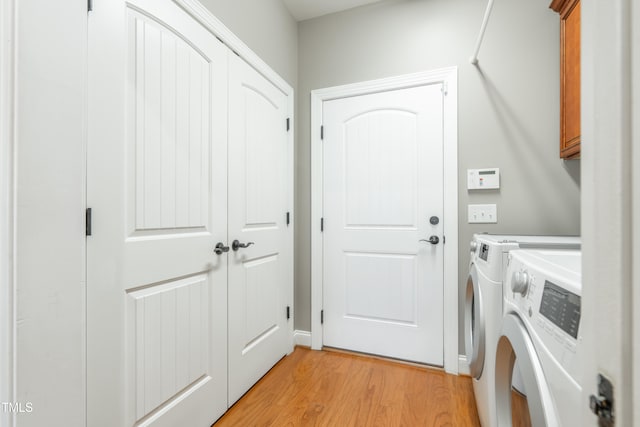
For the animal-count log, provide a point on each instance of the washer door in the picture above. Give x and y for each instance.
(474, 325)
(536, 408)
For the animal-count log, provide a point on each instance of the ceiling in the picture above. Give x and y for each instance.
(307, 9)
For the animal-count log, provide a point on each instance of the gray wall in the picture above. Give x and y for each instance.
(267, 27)
(508, 108)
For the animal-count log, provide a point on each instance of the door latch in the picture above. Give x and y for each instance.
(235, 245)
(434, 240)
(602, 404)
(221, 248)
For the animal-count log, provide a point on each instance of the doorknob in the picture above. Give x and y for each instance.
(434, 240)
(235, 245)
(221, 248)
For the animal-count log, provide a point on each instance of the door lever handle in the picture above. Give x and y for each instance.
(221, 248)
(235, 245)
(434, 240)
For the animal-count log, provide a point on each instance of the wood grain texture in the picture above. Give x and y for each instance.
(571, 82)
(320, 388)
(569, 11)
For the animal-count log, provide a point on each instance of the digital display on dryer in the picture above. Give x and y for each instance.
(561, 307)
(484, 251)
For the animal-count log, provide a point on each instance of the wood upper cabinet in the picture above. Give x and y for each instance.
(569, 11)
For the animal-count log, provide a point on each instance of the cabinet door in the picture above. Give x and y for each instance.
(570, 80)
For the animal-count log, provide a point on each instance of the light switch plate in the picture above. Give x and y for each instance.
(483, 214)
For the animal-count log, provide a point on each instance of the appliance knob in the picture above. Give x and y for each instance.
(473, 246)
(520, 282)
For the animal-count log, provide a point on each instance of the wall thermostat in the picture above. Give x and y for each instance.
(483, 179)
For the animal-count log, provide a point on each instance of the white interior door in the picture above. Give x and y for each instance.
(383, 181)
(157, 182)
(259, 279)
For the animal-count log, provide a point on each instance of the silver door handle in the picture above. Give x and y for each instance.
(434, 240)
(221, 248)
(235, 245)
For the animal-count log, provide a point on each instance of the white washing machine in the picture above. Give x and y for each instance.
(541, 333)
(484, 308)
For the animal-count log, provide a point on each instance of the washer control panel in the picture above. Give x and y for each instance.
(561, 307)
(549, 304)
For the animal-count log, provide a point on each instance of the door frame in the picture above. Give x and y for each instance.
(448, 77)
(7, 205)
(610, 205)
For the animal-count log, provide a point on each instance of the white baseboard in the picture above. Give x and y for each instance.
(302, 338)
(463, 366)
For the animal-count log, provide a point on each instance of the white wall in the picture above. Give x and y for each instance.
(49, 258)
(508, 107)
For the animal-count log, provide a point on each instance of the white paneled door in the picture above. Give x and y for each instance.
(157, 186)
(383, 201)
(258, 269)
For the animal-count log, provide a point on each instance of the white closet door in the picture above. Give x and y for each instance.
(259, 274)
(157, 180)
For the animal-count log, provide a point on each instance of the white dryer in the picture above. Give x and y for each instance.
(541, 333)
(484, 308)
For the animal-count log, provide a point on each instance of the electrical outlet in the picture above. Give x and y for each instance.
(483, 214)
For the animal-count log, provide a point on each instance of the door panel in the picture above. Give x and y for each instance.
(170, 100)
(169, 334)
(157, 185)
(383, 180)
(378, 192)
(258, 275)
(263, 149)
(367, 293)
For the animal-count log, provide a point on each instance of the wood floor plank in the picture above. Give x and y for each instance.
(320, 388)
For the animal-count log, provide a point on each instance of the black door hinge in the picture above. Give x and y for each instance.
(322, 132)
(288, 218)
(322, 317)
(321, 224)
(288, 124)
(444, 239)
(87, 222)
(89, 5)
(288, 312)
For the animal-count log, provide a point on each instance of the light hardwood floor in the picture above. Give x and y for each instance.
(321, 388)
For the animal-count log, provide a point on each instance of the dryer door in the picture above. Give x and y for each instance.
(513, 408)
(474, 325)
